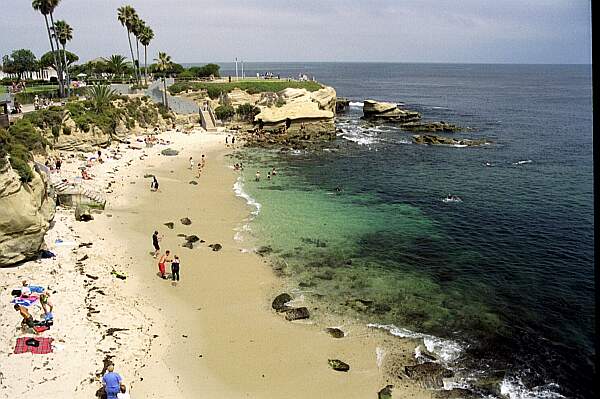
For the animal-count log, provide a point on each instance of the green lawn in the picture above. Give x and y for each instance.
(33, 89)
(251, 86)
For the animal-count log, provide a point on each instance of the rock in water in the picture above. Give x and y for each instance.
(375, 110)
(169, 152)
(170, 225)
(186, 221)
(296, 314)
(385, 393)
(82, 213)
(338, 365)
(264, 250)
(335, 332)
(280, 301)
(428, 374)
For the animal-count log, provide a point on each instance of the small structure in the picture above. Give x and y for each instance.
(4, 121)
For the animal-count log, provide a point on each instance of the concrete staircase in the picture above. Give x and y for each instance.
(208, 120)
(74, 193)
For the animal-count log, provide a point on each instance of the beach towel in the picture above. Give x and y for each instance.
(25, 301)
(44, 345)
(38, 289)
(39, 329)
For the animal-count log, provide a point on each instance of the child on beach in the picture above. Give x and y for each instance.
(175, 268)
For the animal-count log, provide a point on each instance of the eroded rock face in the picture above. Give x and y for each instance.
(25, 215)
(376, 110)
(430, 375)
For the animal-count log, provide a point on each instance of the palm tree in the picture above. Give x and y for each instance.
(116, 64)
(138, 26)
(127, 16)
(164, 65)
(64, 34)
(46, 7)
(101, 97)
(146, 36)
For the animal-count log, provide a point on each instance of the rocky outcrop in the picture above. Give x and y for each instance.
(430, 139)
(341, 105)
(279, 303)
(430, 127)
(25, 215)
(297, 314)
(389, 112)
(430, 375)
(338, 365)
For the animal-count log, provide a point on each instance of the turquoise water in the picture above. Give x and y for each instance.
(506, 276)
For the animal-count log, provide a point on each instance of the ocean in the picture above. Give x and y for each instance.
(500, 285)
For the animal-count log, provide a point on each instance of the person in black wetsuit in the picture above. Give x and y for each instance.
(155, 243)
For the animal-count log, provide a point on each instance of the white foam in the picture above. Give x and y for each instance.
(522, 162)
(444, 349)
(238, 188)
(513, 388)
(356, 104)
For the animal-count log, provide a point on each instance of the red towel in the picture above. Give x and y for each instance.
(44, 347)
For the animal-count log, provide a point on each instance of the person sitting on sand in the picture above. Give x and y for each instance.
(161, 263)
(175, 268)
(25, 290)
(27, 317)
(46, 305)
(85, 175)
(111, 382)
(123, 394)
(257, 176)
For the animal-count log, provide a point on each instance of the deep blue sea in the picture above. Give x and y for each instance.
(501, 285)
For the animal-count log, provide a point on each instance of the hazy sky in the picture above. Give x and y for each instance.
(506, 31)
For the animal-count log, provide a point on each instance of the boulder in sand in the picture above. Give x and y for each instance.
(280, 301)
(170, 225)
(338, 365)
(216, 247)
(297, 314)
(186, 221)
(335, 332)
(83, 213)
(169, 152)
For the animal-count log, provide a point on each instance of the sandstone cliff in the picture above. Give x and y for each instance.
(25, 215)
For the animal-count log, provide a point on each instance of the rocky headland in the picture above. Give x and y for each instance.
(25, 215)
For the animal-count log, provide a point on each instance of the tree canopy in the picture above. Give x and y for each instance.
(19, 62)
(47, 59)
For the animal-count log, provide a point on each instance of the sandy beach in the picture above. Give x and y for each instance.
(212, 334)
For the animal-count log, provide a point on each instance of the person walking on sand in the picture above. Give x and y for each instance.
(175, 268)
(233, 140)
(191, 163)
(155, 239)
(203, 160)
(199, 169)
(154, 184)
(161, 263)
(111, 382)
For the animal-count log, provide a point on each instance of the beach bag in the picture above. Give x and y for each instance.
(32, 342)
(15, 293)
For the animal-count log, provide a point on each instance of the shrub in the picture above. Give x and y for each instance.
(214, 92)
(224, 112)
(55, 131)
(22, 168)
(66, 130)
(247, 111)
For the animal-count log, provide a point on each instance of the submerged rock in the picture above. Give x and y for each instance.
(431, 127)
(338, 365)
(385, 393)
(430, 139)
(188, 244)
(186, 221)
(430, 375)
(264, 250)
(335, 332)
(194, 182)
(297, 314)
(280, 301)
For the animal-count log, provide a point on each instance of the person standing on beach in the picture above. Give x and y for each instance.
(257, 176)
(233, 141)
(155, 239)
(227, 139)
(161, 263)
(111, 382)
(154, 184)
(191, 163)
(175, 268)
(203, 161)
(199, 169)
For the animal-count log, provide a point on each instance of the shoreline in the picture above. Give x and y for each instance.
(215, 332)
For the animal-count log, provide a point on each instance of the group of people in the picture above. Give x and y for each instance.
(238, 166)
(40, 103)
(270, 174)
(227, 140)
(18, 87)
(24, 298)
(53, 163)
(200, 166)
(113, 384)
(164, 259)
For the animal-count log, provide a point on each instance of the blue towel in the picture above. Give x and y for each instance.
(36, 288)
